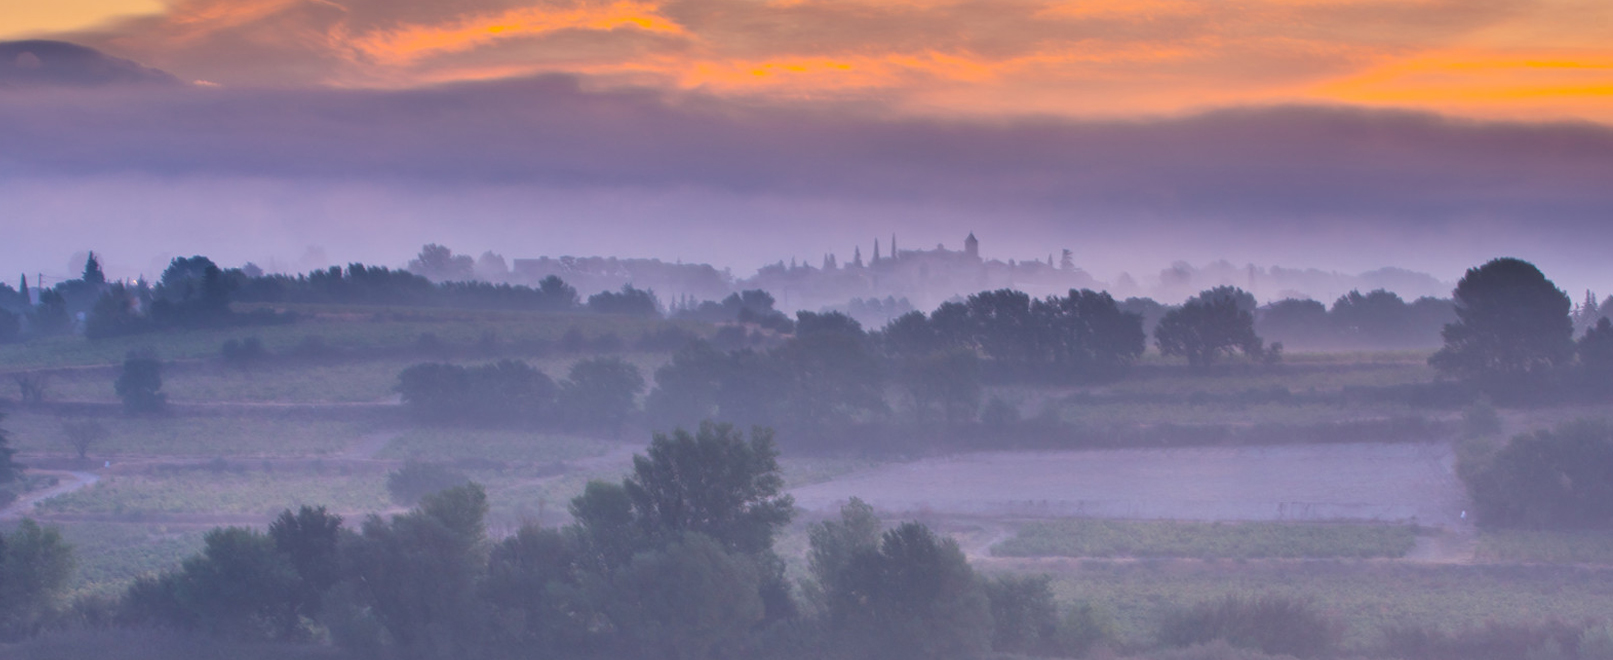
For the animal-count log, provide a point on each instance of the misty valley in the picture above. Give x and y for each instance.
(922, 454)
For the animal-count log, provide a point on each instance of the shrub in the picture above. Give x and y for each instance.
(1270, 624)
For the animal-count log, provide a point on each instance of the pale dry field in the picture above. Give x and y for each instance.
(1413, 483)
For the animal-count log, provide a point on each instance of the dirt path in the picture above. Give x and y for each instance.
(67, 482)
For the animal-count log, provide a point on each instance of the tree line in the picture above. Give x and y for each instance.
(194, 292)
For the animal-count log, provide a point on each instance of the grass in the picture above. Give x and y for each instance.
(243, 435)
(1366, 596)
(501, 445)
(232, 489)
(1083, 537)
(1587, 547)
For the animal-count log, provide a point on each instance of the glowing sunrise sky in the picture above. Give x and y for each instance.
(1510, 59)
(1338, 134)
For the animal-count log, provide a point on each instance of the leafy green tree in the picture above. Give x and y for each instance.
(1512, 323)
(1204, 330)
(1025, 619)
(688, 600)
(601, 392)
(915, 597)
(557, 295)
(238, 586)
(308, 541)
(713, 482)
(416, 578)
(139, 384)
(537, 587)
(834, 543)
(35, 564)
(606, 527)
(1555, 479)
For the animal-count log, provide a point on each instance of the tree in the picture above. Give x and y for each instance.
(833, 544)
(32, 386)
(1204, 330)
(914, 597)
(35, 564)
(629, 301)
(10, 470)
(1555, 479)
(10, 326)
(308, 541)
(1596, 351)
(714, 482)
(502, 392)
(601, 392)
(139, 384)
(687, 600)
(557, 295)
(93, 275)
(440, 264)
(82, 435)
(948, 379)
(415, 579)
(1512, 325)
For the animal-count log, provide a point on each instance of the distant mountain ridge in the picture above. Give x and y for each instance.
(41, 63)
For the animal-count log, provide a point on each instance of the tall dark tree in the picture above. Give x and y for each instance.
(93, 275)
(1205, 329)
(1512, 323)
(714, 482)
(915, 597)
(139, 384)
(10, 469)
(1596, 351)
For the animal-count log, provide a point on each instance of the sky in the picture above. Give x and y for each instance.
(1342, 134)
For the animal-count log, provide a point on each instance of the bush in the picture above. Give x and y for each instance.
(417, 479)
(1492, 641)
(1270, 624)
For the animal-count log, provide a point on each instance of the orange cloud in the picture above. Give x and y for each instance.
(408, 44)
(1071, 57)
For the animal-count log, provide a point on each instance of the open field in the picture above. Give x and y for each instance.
(224, 488)
(1586, 547)
(341, 328)
(1367, 481)
(235, 435)
(1366, 596)
(1249, 540)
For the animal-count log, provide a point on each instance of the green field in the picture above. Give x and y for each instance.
(1248, 540)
